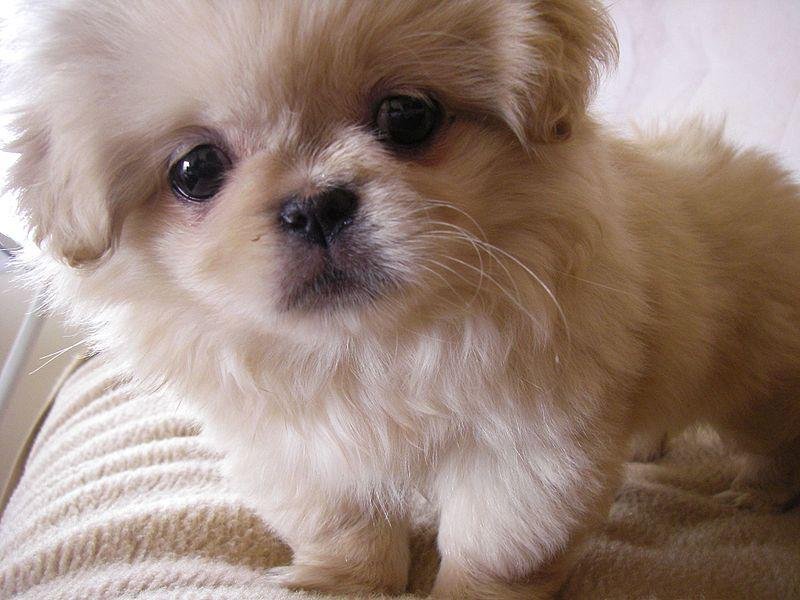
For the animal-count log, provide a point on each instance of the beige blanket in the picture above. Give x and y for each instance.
(121, 498)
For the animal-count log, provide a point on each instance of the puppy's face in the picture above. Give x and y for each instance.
(305, 163)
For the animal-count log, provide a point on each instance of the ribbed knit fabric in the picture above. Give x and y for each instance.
(121, 498)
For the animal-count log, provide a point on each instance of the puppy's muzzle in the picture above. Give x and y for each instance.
(319, 219)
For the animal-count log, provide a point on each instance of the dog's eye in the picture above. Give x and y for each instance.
(200, 173)
(406, 120)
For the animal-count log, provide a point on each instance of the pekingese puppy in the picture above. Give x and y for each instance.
(384, 250)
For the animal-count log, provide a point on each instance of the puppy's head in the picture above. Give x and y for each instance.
(293, 162)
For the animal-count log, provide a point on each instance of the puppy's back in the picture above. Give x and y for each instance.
(719, 230)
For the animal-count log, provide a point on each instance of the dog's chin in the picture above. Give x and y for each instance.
(333, 290)
(334, 280)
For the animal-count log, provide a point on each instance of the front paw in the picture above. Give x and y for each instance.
(455, 584)
(757, 500)
(335, 579)
(491, 591)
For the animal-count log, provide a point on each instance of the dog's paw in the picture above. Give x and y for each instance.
(498, 591)
(756, 500)
(452, 585)
(333, 580)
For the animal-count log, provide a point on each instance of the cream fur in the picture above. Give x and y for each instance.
(553, 293)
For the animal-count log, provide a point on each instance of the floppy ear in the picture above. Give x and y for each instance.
(75, 175)
(61, 194)
(569, 43)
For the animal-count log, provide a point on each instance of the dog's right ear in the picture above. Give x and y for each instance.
(62, 194)
(75, 175)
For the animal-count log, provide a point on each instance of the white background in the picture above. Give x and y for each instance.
(732, 59)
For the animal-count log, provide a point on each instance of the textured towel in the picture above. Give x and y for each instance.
(121, 498)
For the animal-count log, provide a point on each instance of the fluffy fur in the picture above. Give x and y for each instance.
(545, 293)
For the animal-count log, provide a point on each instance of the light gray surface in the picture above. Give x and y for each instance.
(13, 368)
(38, 376)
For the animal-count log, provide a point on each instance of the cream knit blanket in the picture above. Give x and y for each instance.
(121, 498)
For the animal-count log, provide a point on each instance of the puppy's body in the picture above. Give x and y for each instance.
(523, 297)
(722, 335)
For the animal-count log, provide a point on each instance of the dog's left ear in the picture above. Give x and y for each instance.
(568, 44)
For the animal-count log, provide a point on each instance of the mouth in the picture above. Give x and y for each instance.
(332, 289)
(329, 279)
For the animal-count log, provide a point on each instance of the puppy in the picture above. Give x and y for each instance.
(384, 250)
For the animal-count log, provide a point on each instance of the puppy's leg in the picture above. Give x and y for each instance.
(339, 549)
(509, 529)
(767, 482)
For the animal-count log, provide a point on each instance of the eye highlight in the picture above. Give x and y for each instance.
(407, 121)
(200, 173)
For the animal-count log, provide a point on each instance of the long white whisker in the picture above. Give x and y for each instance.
(486, 247)
(538, 279)
(54, 355)
(481, 270)
(492, 248)
(472, 219)
(515, 301)
(465, 235)
(440, 276)
(597, 284)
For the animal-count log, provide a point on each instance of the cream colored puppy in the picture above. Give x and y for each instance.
(384, 250)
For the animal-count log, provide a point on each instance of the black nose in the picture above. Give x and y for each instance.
(319, 219)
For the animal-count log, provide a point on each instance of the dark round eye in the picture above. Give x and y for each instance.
(406, 120)
(200, 173)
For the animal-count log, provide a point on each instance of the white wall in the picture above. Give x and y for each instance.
(738, 59)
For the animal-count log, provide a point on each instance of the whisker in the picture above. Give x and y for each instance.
(502, 288)
(54, 355)
(490, 249)
(467, 237)
(538, 279)
(440, 276)
(481, 271)
(508, 273)
(462, 233)
(597, 284)
(515, 301)
(472, 219)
